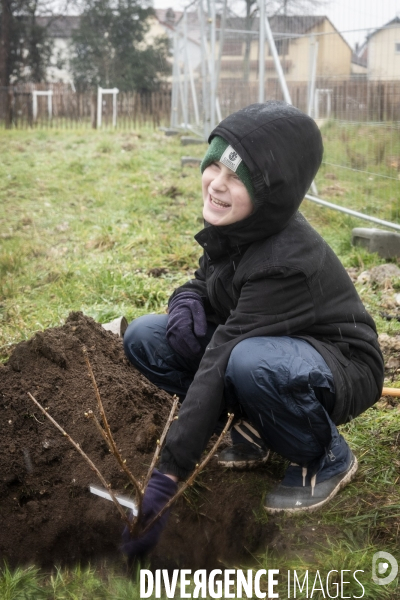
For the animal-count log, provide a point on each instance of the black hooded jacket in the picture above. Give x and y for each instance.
(272, 274)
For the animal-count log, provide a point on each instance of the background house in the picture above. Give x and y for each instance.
(384, 52)
(292, 35)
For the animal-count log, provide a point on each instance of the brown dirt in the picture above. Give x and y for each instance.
(47, 513)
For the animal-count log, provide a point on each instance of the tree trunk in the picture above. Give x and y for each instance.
(5, 41)
(5, 51)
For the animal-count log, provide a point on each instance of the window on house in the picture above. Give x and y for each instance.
(397, 47)
(282, 47)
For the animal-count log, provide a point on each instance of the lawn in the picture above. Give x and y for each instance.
(103, 222)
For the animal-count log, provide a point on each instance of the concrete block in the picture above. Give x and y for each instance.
(190, 160)
(170, 132)
(385, 243)
(187, 140)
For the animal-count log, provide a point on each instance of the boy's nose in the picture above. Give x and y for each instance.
(219, 182)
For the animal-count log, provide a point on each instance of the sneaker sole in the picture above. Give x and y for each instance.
(243, 464)
(346, 479)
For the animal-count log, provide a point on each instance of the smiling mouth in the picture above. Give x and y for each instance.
(218, 203)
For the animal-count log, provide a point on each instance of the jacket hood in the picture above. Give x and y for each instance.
(282, 148)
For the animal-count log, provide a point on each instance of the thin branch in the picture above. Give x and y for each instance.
(110, 441)
(161, 440)
(189, 482)
(90, 415)
(85, 456)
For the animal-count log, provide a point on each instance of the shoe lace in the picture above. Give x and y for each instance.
(304, 475)
(313, 483)
(245, 435)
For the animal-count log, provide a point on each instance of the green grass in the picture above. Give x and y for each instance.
(85, 216)
(83, 221)
(361, 168)
(66, 584)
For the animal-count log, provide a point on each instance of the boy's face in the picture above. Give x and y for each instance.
(226, 199)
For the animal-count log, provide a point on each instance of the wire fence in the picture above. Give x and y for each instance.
(222, 62)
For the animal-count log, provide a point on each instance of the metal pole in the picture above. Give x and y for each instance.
(206, 116)
(182, 90)
(351, 212)
(218, 109)
(99, 106)
(316, 104)
(182, 96)
(34, 105)
(313, 73)
(115, 92)
(277, 62)
(50, 104)
(212, 70)
(220, 48)
(185, 70)
(174, 96)
(194, 95)
(261, 54)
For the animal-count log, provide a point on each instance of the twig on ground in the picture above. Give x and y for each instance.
(192, 477)
(386, 391)
(111, 443)
(161, 440)
(85, 456)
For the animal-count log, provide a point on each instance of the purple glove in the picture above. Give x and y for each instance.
(186, 322)
(159, 490)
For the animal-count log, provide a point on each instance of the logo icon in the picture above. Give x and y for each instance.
(382, 562)
(233, 156)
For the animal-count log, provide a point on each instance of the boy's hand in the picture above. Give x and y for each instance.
(186, 322)
(159, 490)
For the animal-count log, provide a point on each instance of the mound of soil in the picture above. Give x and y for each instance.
(47, 514)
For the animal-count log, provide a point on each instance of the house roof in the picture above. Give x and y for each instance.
(294, 24)
(62, 26)
(59, 26)
(288, 26)
(279, 23)
(395, 21)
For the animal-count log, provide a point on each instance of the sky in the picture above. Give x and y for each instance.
(345, 14)
(360, 14)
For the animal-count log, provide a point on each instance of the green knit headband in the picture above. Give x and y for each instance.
(214, 153)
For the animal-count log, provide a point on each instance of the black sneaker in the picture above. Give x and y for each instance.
(300, 492)
(246, 454)
(243, 456)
